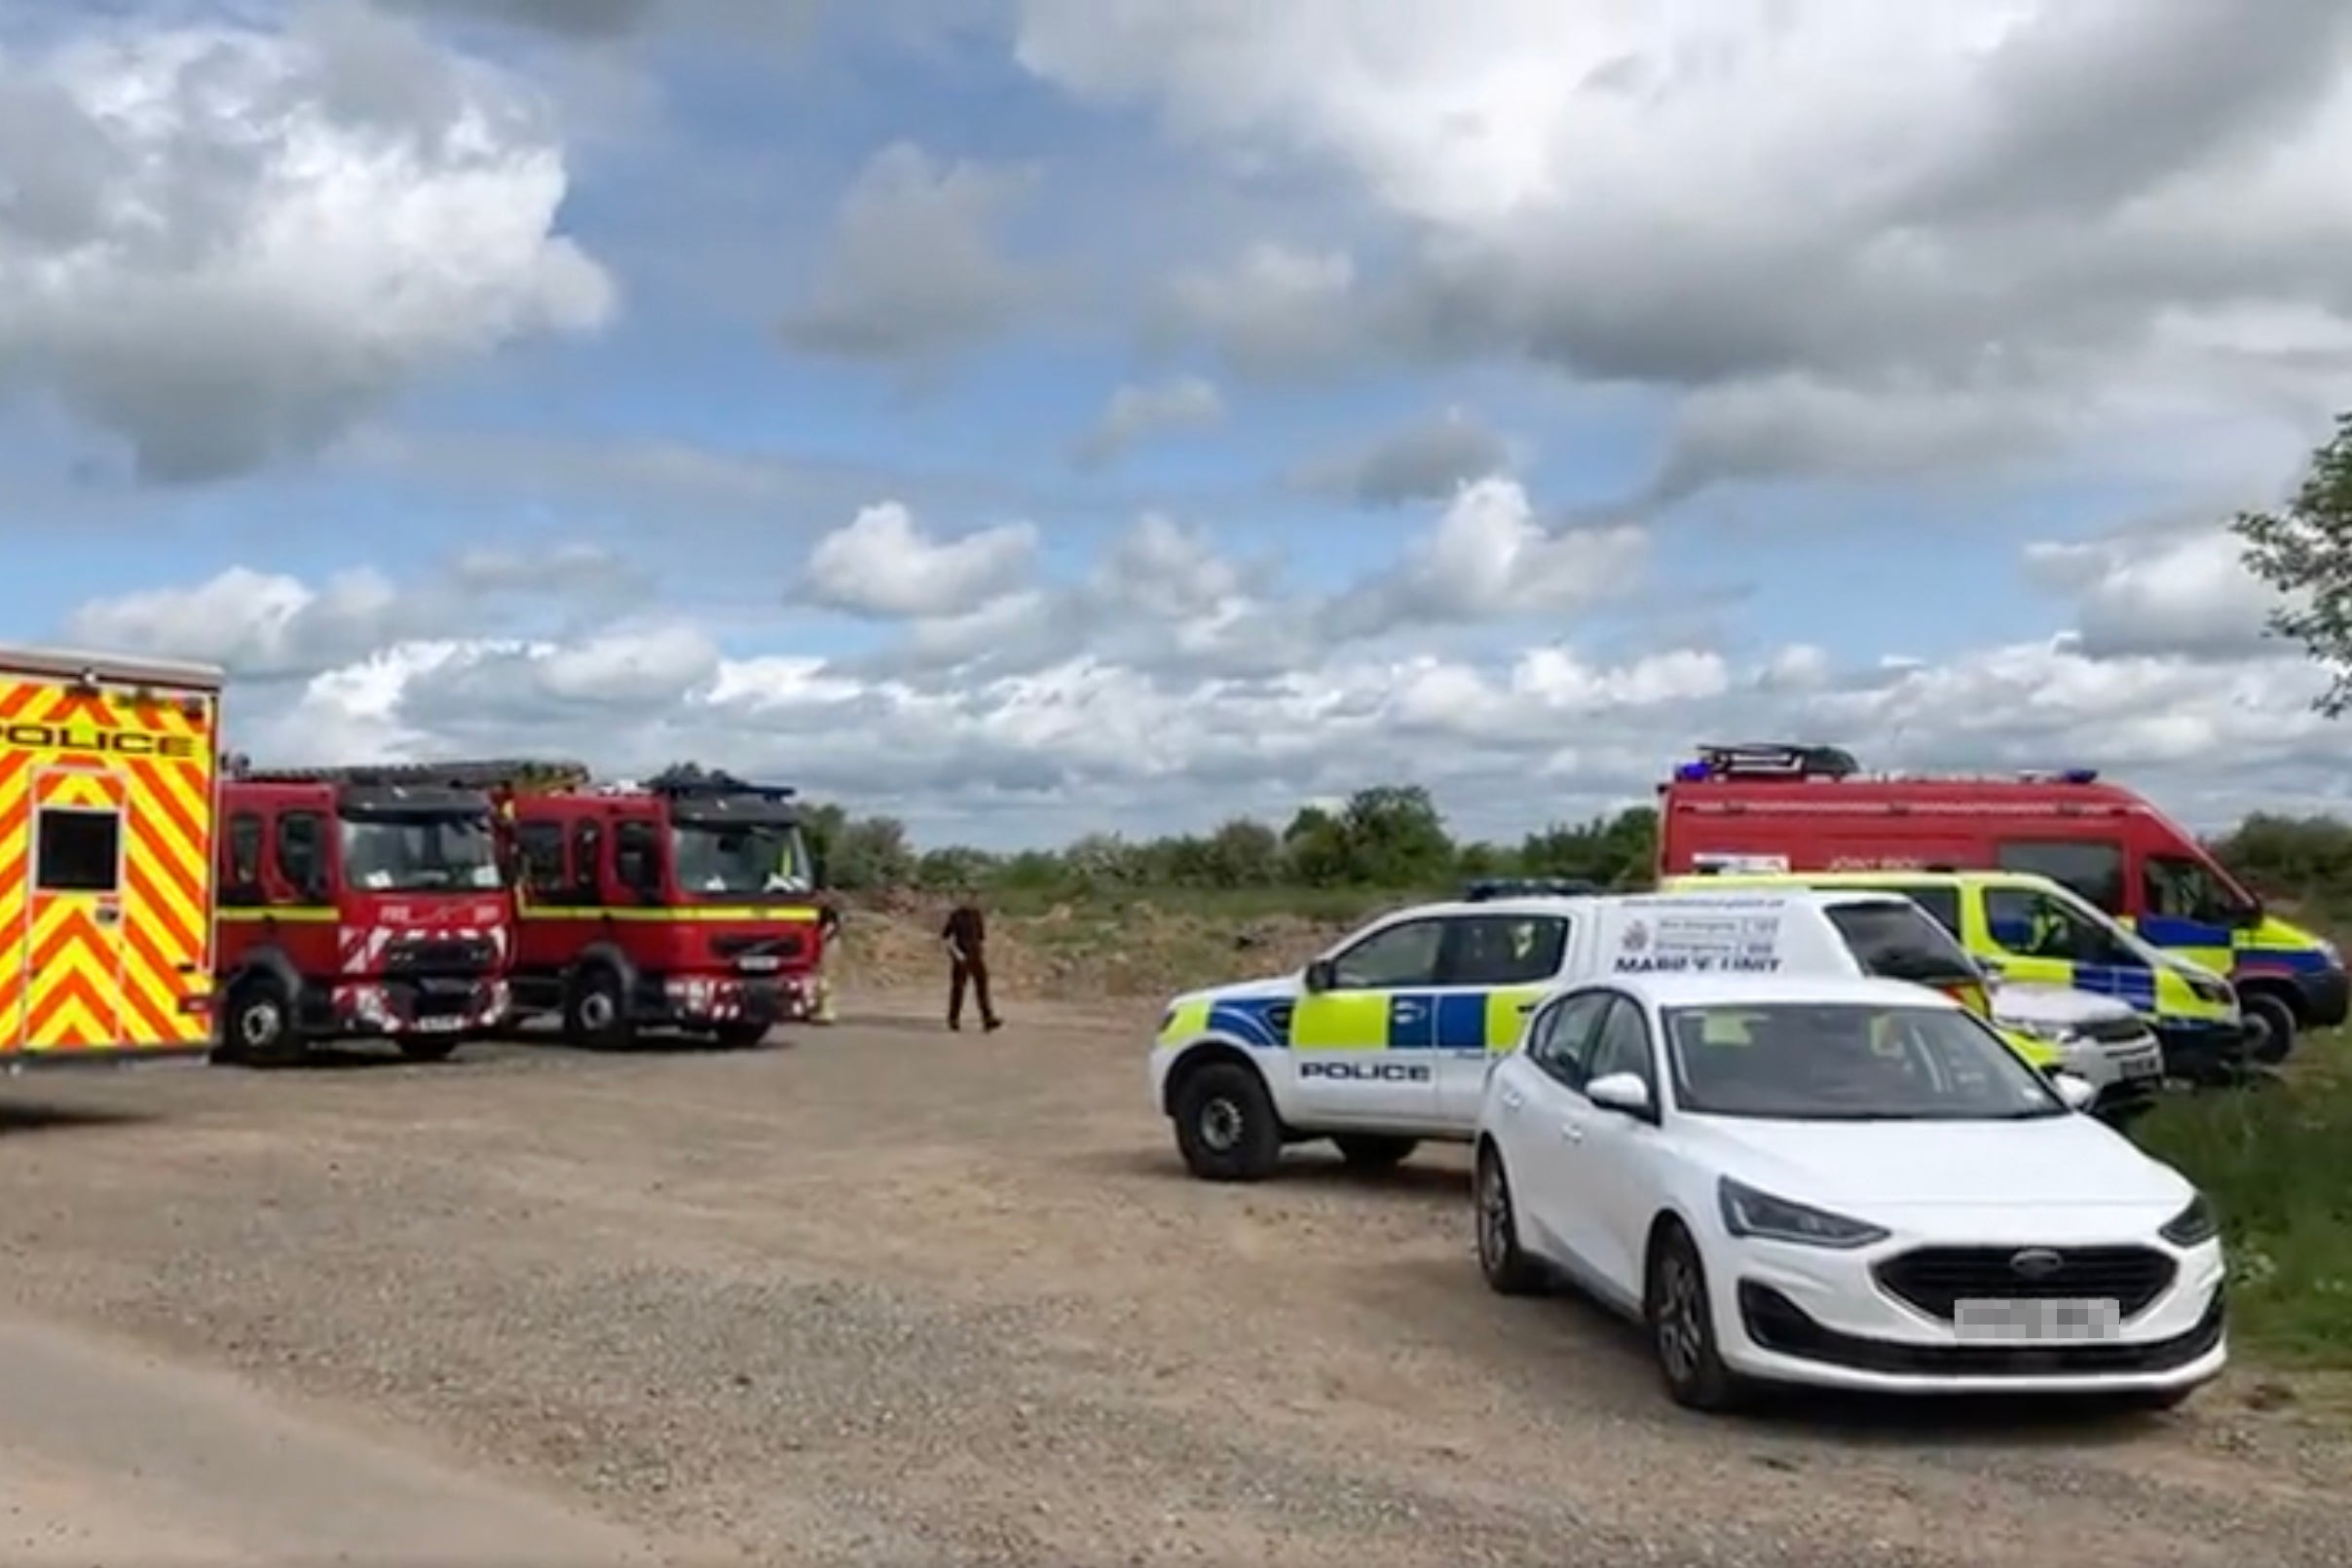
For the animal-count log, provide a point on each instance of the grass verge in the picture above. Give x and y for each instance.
(2277, 1162)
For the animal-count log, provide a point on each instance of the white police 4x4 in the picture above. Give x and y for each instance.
(1384, 1041)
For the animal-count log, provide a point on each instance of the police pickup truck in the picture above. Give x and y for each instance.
(1384, 1041)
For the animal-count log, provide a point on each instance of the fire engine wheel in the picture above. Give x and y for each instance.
(596, 1013)
(258, 1026)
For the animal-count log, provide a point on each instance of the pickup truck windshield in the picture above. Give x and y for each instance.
(419, 853)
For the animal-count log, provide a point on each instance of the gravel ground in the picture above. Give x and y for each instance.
(882, 1294)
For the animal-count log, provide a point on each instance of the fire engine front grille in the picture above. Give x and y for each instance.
(441, 955)
(1933, 1278)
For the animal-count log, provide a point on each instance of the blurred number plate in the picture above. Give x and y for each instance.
(439, 1026)
(2036, 1323)
(2146, 1066)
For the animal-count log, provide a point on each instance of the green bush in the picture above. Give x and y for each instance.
(2276, 1160)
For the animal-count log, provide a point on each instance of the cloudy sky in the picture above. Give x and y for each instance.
(1040, 416)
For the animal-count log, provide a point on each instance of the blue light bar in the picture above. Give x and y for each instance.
(1691, 773)
(2080, 775)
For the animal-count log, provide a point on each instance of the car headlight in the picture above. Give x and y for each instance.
(2192, 1226)
(2329, 950)
(1759, 1214)
(2041, 1029)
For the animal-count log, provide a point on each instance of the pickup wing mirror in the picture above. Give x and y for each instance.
(1321, 974)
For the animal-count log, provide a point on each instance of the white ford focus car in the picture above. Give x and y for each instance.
(1839, 1182)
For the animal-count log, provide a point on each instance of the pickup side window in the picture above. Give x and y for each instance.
(1502, 949)
(2090, 866)
(2176, 887)
(1400, 954)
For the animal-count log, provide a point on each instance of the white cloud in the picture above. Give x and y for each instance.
(223, 245)
(1946, 229)
(1134, 412)
(2171, 591)
(883, 564)
(913, 271)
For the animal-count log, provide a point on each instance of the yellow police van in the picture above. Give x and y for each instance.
(2027, 929)
(1384, 1041)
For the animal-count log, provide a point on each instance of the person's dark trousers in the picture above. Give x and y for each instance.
(975, 971)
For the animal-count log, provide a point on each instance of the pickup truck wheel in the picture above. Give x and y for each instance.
(258, 1026)
(740, 1036)
(596, 1012)
(1225, 1125)
(1374, 1151)
(2274, 1034)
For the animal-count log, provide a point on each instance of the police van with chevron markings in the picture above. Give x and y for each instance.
(107, 768)
(1384, 1041)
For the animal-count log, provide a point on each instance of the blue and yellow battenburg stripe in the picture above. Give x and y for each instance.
(1488, 1020)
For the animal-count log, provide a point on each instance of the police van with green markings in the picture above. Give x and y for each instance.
(1384, 1041)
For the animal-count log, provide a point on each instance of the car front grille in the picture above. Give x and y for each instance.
(2114, 1031)
(1933, 1278)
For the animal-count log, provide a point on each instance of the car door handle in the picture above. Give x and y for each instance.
(1529, 1007)
(1513, 1099)
(1573, 1132)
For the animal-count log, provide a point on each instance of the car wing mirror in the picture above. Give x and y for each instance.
(1621, 1092)
(2079, 1094)
(1321, 974)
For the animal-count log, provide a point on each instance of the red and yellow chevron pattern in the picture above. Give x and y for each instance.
(92, 969)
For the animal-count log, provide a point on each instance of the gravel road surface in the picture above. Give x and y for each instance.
(880, 1294)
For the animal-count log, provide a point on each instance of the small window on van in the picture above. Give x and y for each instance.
(1895, 942)
(2090, 866)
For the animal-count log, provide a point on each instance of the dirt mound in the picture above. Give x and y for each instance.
(1134, 948)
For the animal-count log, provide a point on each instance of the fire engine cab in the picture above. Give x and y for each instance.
(357, 903)
(684, 902)
(1791, 807)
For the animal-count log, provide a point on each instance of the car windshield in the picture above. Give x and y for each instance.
(1835, 1061)
(741, 860)
(419, 853)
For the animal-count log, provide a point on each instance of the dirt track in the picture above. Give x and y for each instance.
(890, 1295)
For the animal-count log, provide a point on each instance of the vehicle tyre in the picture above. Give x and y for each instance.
(1509, 1271)
(741, 1035)
(1681, 1325)
(2273, 1037)
(258, 1026)
(428, 1047)
(1374, 1151)
(596, 1012)
(1226, 1124)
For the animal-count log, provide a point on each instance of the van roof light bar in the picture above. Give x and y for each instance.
(1770, 759)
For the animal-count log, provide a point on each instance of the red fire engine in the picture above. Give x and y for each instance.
(356, 903)
(685, 903)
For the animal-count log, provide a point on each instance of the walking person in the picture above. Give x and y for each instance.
(966, 937)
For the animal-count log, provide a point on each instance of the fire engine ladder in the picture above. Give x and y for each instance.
(519, 775)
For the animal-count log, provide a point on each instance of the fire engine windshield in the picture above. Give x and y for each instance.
(739, 860)
(417, 852)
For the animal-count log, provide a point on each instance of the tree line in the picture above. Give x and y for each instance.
(1389, 835)
(1394, 837)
